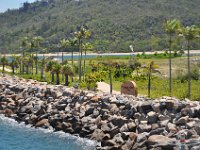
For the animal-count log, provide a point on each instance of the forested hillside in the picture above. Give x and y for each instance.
(115, 24)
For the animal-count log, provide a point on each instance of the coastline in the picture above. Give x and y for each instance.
(13, 125)
(192, 52)
(115, 121)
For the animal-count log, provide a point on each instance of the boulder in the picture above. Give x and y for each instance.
(152, 117)
(161, 141)
(43, 123)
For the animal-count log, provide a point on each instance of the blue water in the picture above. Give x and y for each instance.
(14, 136)
(75, 57)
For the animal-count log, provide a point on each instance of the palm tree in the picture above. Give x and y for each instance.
(80, 35)
(171, 27)
(63, 46)
(86, 46)
(57, 69)
(24, 44)
(36, 45)
(67, 71)
(189, 33)
(49, 68)
(27, 62)
(43, 63)
(72, 44)
(19, 62)
(4, 62)
(14, 63)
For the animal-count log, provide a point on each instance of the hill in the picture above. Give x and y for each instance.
(115, 24)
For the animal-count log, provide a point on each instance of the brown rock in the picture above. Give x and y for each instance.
(42, 123)
(158, 139)
(8, 112)
(129, 88)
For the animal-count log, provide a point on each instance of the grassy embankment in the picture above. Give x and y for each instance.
(160, 85)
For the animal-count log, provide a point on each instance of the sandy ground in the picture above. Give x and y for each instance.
(105, 88)
(6, 69)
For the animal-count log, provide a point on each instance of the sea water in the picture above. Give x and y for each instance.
(14, 136)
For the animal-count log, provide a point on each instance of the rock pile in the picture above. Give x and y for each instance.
(117, 122)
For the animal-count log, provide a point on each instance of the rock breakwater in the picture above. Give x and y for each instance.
(117, 122)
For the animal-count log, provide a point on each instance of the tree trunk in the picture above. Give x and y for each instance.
(52, 77)
(42, 73)
(57, 79)
(189, 77)
(72, 63)
(20, 68)
(149, 83)
(62, 64)
(3, 68)
(13, 70)
(32, 67)
(36, 63)
(27, 69)
(66, 80)
(170, 66)
(84, 66)
(62, 58)
(23, 67)
(80, 60)
(110, 76)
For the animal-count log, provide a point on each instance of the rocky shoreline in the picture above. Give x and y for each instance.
(117, 122)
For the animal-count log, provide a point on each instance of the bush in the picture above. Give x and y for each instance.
(194, 74)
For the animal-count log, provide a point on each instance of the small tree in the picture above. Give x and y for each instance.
(14, 64)
(151, 68)
(57, 70)
(67, 71)
(49, 68)
(4, 62)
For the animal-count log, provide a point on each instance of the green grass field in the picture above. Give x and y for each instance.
(159, 85)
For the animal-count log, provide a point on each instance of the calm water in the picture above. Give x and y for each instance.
(14, 136)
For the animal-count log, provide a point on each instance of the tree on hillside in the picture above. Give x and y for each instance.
(171, 27)
(80, 35)
(67, 71)
(189, 33)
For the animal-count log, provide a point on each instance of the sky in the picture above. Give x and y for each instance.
(5, 4)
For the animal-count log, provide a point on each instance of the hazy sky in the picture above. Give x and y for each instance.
(5, 4)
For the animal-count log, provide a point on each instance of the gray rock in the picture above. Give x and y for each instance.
(162, 141)
(157, 131)
(171, 127)
(182, 121)
(98, 135)
(152, 117)
(144, 128)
